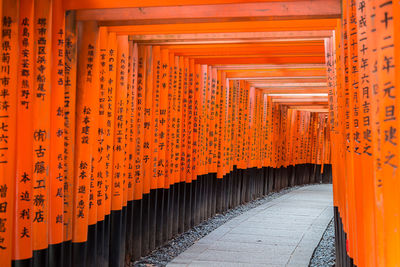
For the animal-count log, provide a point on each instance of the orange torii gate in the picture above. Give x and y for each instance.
(120, 129)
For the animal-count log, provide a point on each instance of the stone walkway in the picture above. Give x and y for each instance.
(282, 232)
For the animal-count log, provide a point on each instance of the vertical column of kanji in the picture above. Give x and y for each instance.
(174, 63)
(332, 108)
(190, 122)
(162, 171)
(371, 53)
(147, 147)
(129, 168)
(239, 128)
(246, 126)
(156, 192)
(203, 138)
(217, 184)
(340, 140)
(22, 232)
(41, 135)
(203, 119)
(154, 213)
(70, 67)
(245, 138)
(349, 226)
(86, 127)
(233, 145)
(138, 167)
(275, 128)
(8, 108)
(170, 147)
(396, 35)
(255, 140)
(91, 256)
(293, 137)
(239, 141)
(318, 146)
(189, 202)
(196, 149)
(357, 129)
(304, 137)
(268, 127)
(264, 135)
(225, 123)
(289, 136)
(163, 181)
(178, 144)
(156, 114)
(278, 138)
(100, 162)
(183, 137)
(260, 140)
(250, 142)
(172, 117)
(309, 137)
(283, 137)
(388, 162)
(178, 122)
(271, 132)
(258, 130)
(196, 122)
(56, 183)
(368, 257)
(111, 80)
(234, 121)
(214, 136)
(315, 138)
(221, 127)
(184, 88)
(156, 65)
(296, 141)
(209, 132)
(214, 118)
(117, 247)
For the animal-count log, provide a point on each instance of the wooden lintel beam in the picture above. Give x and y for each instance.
(231, 37)
(303, 9)
(322, 110)
(293, 91)
(286, 84)
(274, 73)
(280, 80)
(308, 107)
(305, 103)
(300, 100)
(95, 4)
(268, 67)
(243, 26)
(260, 60)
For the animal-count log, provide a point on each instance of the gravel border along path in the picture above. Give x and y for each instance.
(324, 254)
(163, 255)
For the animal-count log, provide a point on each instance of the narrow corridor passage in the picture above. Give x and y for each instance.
(282, 232)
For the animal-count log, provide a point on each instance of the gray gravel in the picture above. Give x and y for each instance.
(165, 254)
(325, 254)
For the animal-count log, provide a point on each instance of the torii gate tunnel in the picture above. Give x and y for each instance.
(124, 123)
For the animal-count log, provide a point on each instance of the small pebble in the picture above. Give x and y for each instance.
(325, 253)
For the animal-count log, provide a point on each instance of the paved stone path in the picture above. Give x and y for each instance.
(282, 232)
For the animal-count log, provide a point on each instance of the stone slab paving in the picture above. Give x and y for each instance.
(282, 232)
